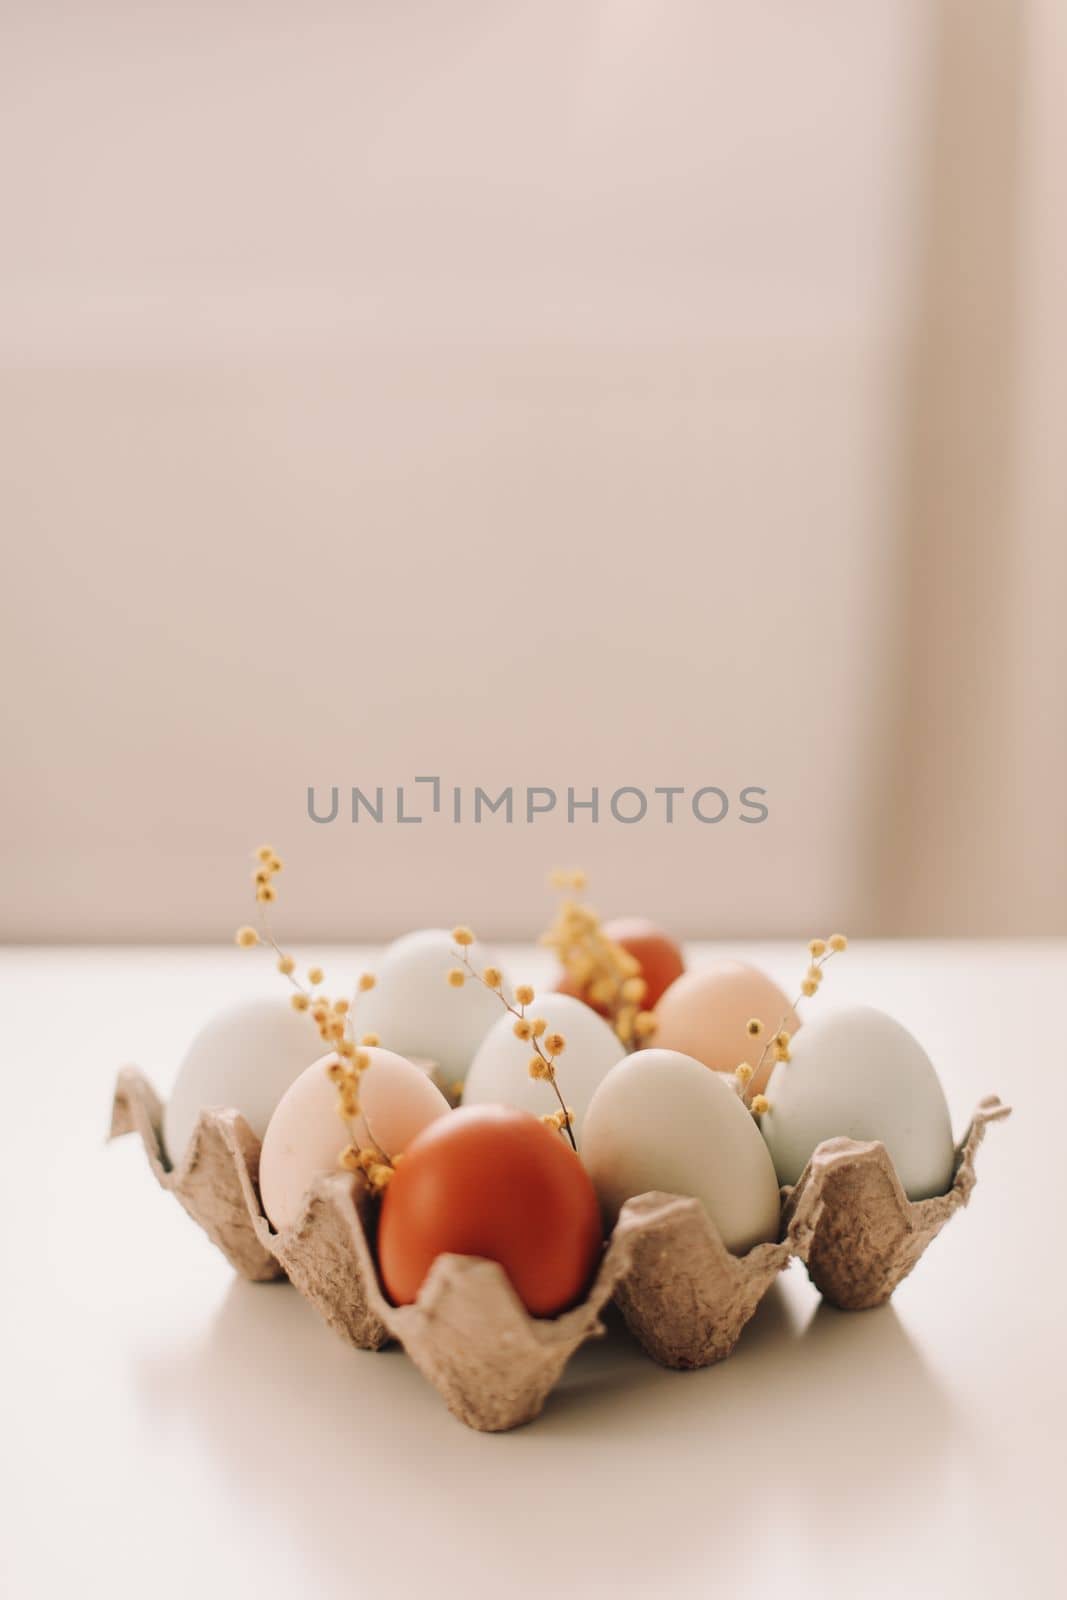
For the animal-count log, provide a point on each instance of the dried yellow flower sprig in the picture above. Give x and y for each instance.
(333, 1019)
(374, 1164)
(598, 967)
(547, 1047)
(820, 951)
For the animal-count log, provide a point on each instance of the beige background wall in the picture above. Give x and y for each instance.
(633, 393)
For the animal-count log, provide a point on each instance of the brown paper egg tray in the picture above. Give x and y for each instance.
(681, 1292)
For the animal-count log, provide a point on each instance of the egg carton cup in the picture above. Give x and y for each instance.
(683, 1295)
(867, 1234)
(467, 1332)
(215, 1181)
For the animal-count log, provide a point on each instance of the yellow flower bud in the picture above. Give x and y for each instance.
(457, 977)
(367, 981)
(524, 994)
(299, 1002)
(462, 936)
(315, 975)
(838, 942)
(246, 937)
(580, 968)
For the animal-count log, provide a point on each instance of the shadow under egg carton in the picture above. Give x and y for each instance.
(683, 1295)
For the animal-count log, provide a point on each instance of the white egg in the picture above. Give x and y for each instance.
(859, 1074)
(243, 1059)
(500, 1075)
(661, 1120)
(415, 1011)
(305, 1136)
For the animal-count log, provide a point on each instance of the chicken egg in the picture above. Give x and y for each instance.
(415, 1011)
(856, 1073)
(500, 1073)
(705, 1014)
(305, 1136)
(656, 953)
(661, 1121)
(243, 1059)
(493, 1182)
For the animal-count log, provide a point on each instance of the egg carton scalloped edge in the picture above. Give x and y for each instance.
(216, 1180)
(868, 1235)
(683, 1295)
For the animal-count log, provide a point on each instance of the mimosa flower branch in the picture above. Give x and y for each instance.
(547, 1047)
(820, 952)
(603, 972)
(334, 1019)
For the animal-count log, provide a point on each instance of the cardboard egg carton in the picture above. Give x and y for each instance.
(217, 1180)
(868, 1235)
(683, 1295)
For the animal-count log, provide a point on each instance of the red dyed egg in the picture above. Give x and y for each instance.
(493, 1182)
(660, 958)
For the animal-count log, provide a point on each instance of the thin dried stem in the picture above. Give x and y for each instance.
(519, 1012)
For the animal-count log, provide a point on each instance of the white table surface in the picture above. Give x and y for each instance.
(169, 1430)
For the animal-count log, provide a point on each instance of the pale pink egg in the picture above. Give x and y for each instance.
(305, 1136)
(705, 1014)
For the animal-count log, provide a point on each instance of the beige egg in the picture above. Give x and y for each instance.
(705, 1014)
(305, 1136)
